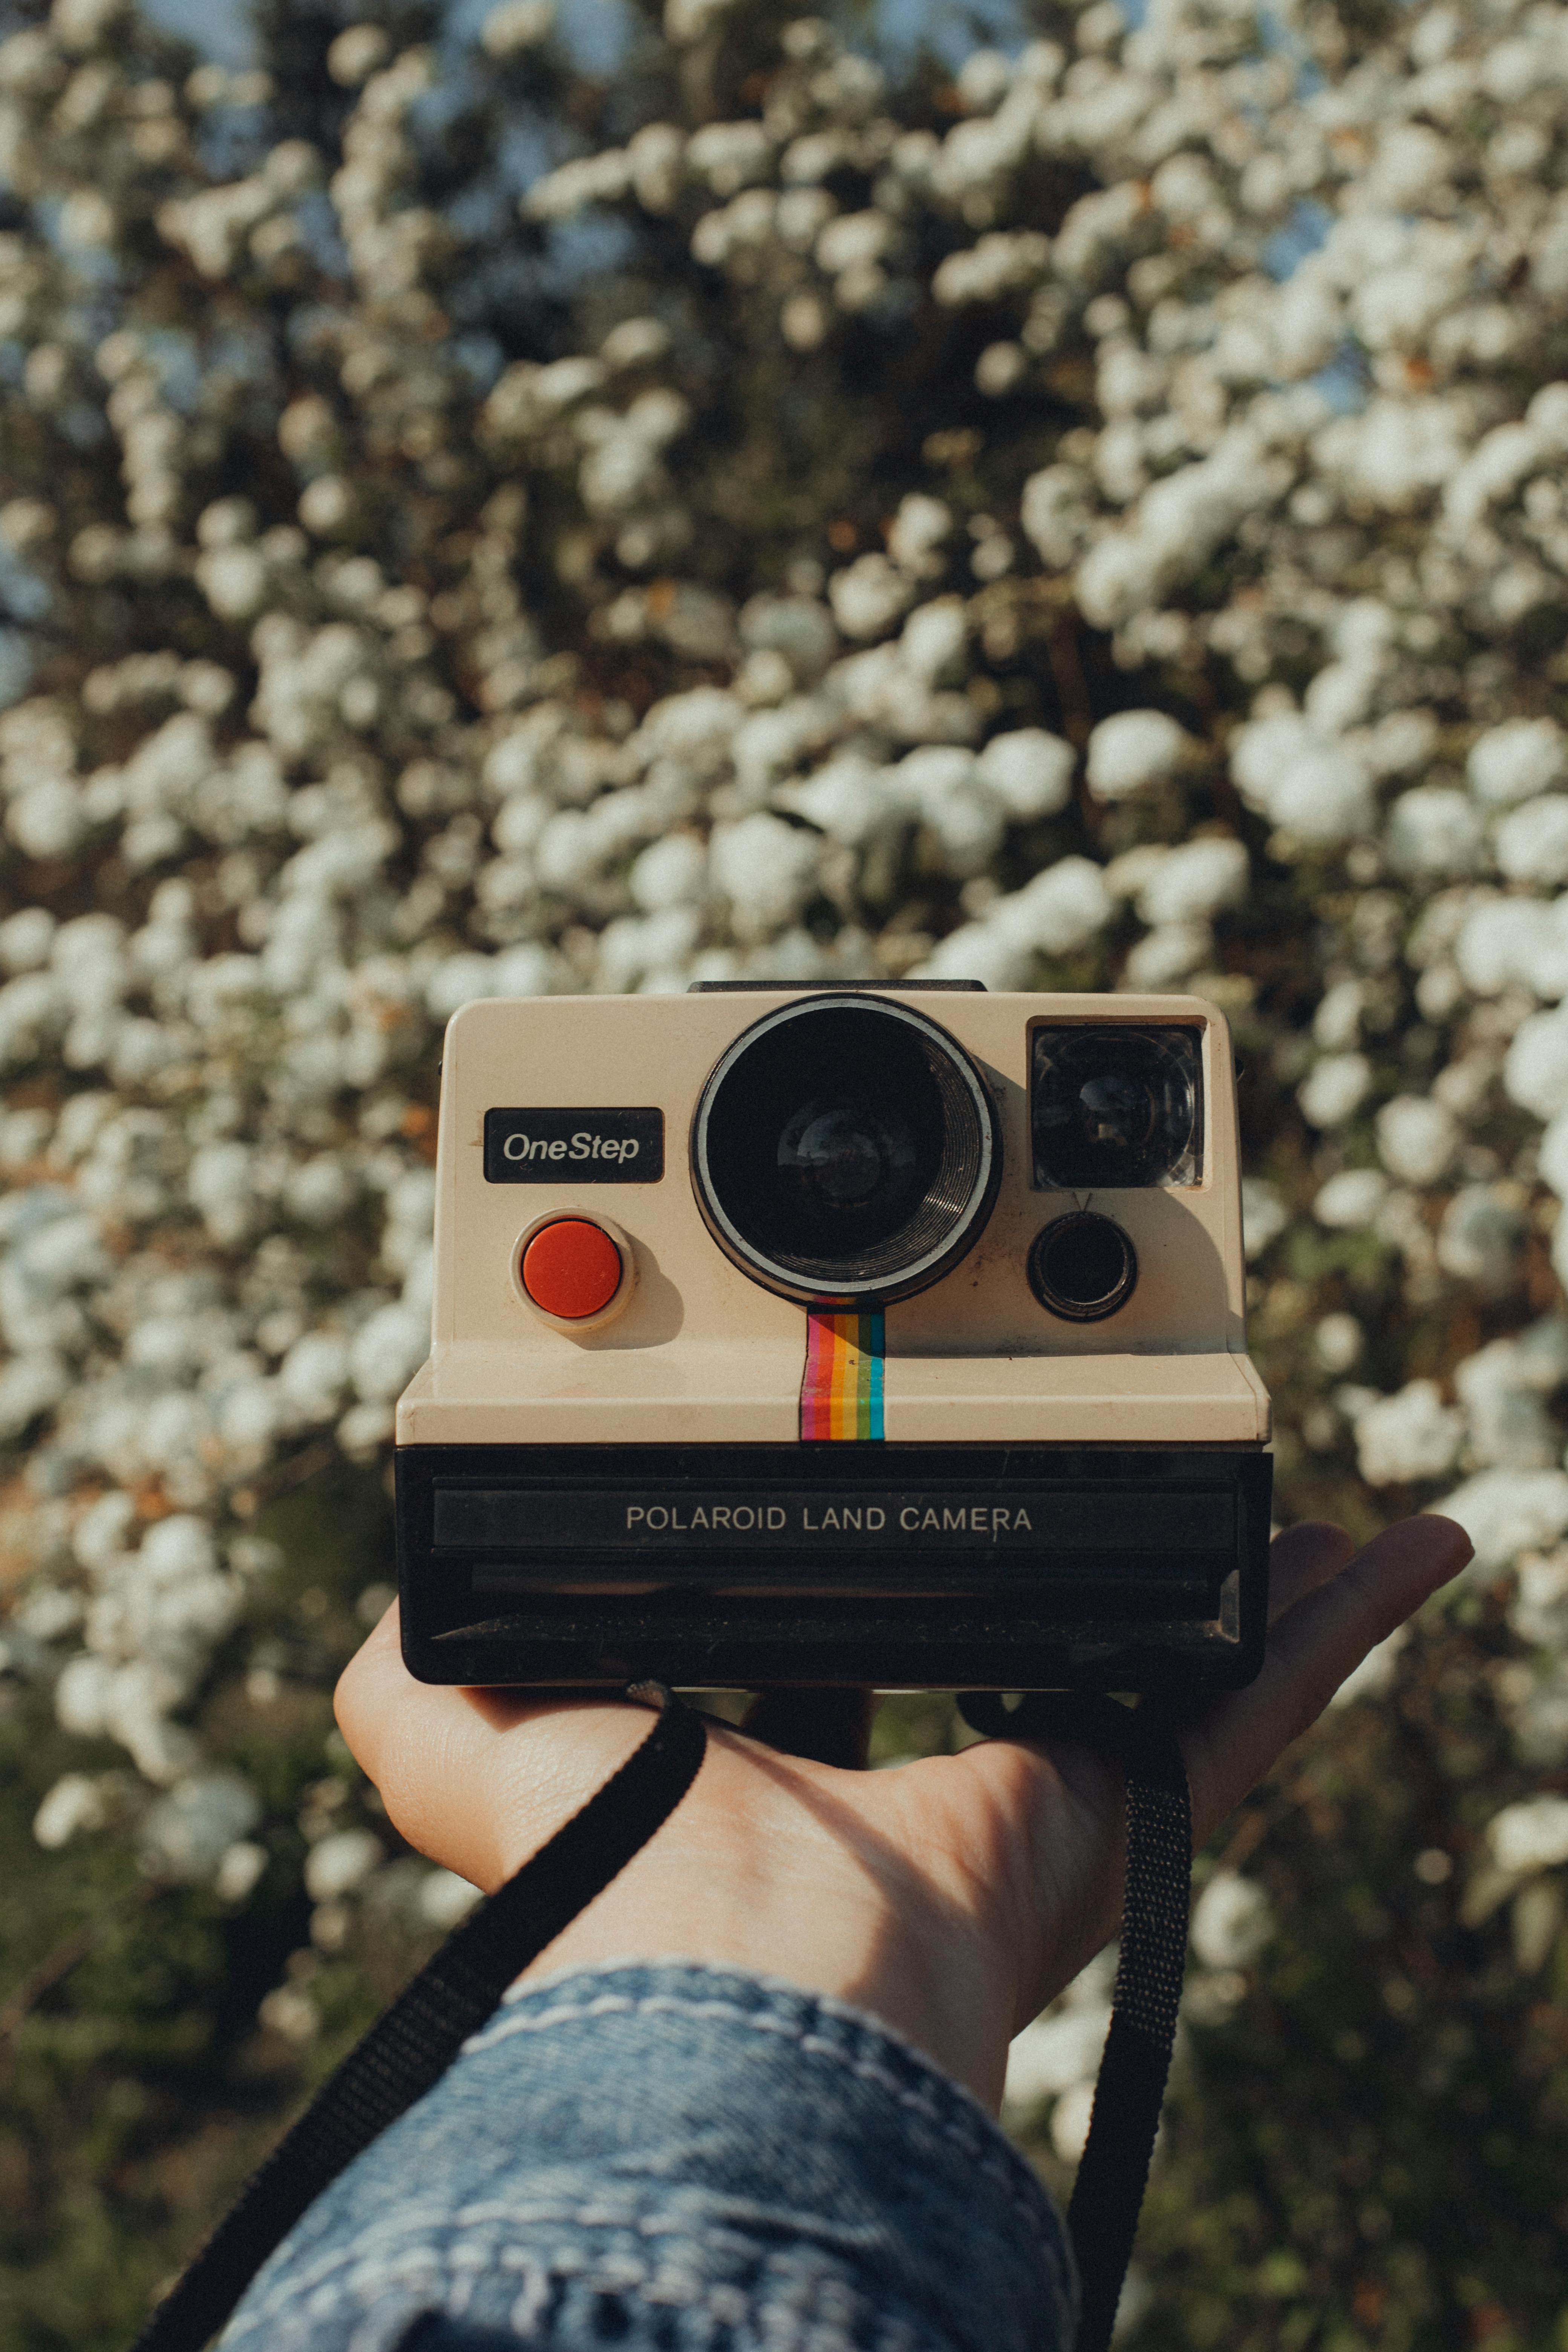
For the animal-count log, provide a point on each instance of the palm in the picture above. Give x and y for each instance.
(953, 1896)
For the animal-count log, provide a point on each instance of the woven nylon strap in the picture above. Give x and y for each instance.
(408, 2050)
(1102, 2218)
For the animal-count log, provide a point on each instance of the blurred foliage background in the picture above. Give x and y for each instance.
(495, 503)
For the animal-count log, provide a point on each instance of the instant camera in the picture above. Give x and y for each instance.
(853, 1335)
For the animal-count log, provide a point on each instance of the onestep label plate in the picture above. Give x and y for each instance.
(605, 1146)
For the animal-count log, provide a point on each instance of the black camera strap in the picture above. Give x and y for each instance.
(407, 2050)
(1113, 2171)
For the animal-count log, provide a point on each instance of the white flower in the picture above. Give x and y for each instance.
(1336, 1023)
(1321, 794)
(517, 25)
(1233, 1919)
(233, 580)
(1195, 882)
(1060, 911)
(355, 54)
(221, 1187)
(1515, 761)
(1132, 751)
(851, 798)
(1532, 842)
(1264, 1215)
(917, 530)
(313, 1375)
(188, 1833)
(1535, 1072)
(74, 1803)
(1177, 525)
(1415, 1138)
(1505, 942)
(26, 940)
(1055, 2054)
(1409, 1436)
(1530, 1836)
(30, 1385)
(445, 1898)
(1028, 771)
(50, 821)
(1349, 1201)
(1338, 1342)
(1168, 955)
(1433, 831)
(238, 1872)
(176, 1550)
(1309, 784)
(387, 1352)
(767, 869)
(669, 873)
(1506, 1512)
(939, 782)
(340, 1863)
(868, 596)
(1498, 1388)
(320, 1192)
(933, 637)
(457, 981)
(82, 1695)
(1336, 1088)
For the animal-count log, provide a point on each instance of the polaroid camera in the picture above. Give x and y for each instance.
(861, 1335)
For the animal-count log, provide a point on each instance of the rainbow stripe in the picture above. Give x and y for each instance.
(841, 1394)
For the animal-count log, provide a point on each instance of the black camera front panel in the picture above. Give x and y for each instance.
(958, 1567)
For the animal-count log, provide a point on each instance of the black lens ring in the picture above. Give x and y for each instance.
(954, 1210)
(1086, 1233)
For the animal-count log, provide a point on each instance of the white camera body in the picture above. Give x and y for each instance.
(792, 1335)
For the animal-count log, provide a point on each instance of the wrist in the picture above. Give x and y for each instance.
(745, 1874)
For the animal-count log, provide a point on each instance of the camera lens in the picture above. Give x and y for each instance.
(845, 1150)
(842, 1155)
(1082, 1266)
(1115, 1106)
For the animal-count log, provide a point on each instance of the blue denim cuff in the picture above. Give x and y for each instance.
(676, 2159)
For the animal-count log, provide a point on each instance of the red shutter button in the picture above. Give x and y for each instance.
(570, 1268)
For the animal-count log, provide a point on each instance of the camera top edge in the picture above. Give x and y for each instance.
(828, 987)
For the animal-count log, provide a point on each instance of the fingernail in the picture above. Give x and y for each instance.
(1456, 1540)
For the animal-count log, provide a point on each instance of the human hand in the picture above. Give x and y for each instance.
(953, 1897)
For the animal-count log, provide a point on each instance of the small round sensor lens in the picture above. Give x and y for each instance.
(1082, 1267)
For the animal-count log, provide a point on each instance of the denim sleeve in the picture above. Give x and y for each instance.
(676, 2159)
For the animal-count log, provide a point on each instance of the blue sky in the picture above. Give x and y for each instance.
(592, 30)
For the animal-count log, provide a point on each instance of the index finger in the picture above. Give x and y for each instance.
(467, 1776)
(1311, 1648)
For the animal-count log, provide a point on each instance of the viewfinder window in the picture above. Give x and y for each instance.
(1115, 1106)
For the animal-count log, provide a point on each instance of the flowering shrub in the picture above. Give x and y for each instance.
(1096, 520)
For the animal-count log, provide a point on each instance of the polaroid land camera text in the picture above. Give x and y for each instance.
(912, 1354)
